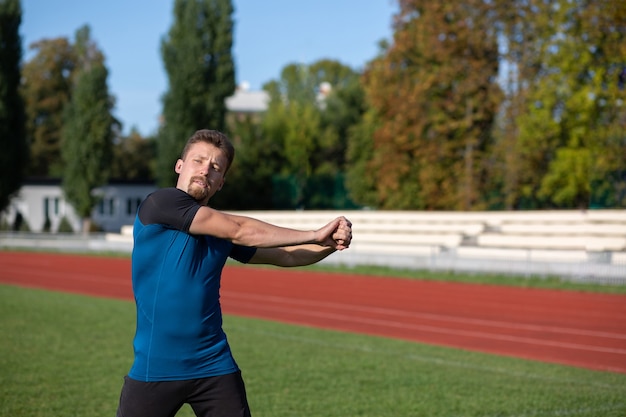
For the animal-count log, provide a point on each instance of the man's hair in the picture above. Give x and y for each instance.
(217, 139)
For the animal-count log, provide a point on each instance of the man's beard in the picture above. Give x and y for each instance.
(200, 194)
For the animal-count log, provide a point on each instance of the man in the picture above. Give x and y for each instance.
(180, 248)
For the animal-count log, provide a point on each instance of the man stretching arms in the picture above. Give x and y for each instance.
(180, 248)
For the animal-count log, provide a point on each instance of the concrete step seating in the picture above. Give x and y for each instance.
(592, 231)
(386, 231)
(591, 243)
(423, 233)
(410, 231)
(564, 229)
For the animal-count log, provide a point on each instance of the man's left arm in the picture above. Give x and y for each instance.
(306, 254)
(291, 255)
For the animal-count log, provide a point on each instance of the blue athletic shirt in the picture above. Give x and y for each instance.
(176, 281)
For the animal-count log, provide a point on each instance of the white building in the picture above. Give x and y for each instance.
(247, 101)
(43, 199)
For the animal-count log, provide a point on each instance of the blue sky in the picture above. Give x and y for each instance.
(269, 35)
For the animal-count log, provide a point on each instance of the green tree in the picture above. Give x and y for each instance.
(259, 158)
(201, 72)
(329, 93)
(14, 154)
(341, 101)
(360, 173)
(435, 94)
(293, 120)
(574, 105)
(134, 157)
(88, 130)
(299, 144)
(311, 109)
(46, 88)
(520, 24)
(360, 155)
(610, 162)
(560, 142)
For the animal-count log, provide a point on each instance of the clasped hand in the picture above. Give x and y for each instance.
(342, 235)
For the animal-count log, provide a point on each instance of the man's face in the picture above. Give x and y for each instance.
(201, 174)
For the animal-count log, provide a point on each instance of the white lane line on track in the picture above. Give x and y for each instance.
(429, 316)
(290, 312)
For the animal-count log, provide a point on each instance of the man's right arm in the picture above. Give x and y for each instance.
(247, 231)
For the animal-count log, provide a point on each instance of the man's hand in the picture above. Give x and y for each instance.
(343, 234)
(336, 234)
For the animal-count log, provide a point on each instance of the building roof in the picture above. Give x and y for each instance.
(245, 101)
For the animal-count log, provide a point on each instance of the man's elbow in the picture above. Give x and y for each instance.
(247, 236)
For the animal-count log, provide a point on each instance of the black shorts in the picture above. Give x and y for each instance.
(217, 396)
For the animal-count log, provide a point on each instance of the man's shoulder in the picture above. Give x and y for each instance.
(168, 191)
(170, 196)
(168, 206)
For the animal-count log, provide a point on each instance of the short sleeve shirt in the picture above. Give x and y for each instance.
(176, 282)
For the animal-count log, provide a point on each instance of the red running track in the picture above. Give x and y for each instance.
(572, 328)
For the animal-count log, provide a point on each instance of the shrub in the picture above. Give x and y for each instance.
(65, 226)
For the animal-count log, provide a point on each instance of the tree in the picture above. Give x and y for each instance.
(360, 155)
(360, 176)
(561, 140)
(574, 105)
(310, 112)
(610, 34)
(259, 157)
(520, 26)
(14, 154)
(88, 130)
(46, 88)
(341, 101)
(133, 157)
(327, 97)
(435, 94)
(201, 72)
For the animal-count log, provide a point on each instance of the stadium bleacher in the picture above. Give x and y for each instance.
(538, 242)
(575, 243)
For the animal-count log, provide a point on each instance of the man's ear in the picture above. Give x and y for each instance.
(178, 166)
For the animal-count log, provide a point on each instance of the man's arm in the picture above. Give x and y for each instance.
(247, 231)
(290, 256)
(303, 254)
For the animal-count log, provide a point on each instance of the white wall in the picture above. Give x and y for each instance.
(119, 205)
(117, 208)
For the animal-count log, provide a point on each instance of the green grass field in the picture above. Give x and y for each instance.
(66, 355)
